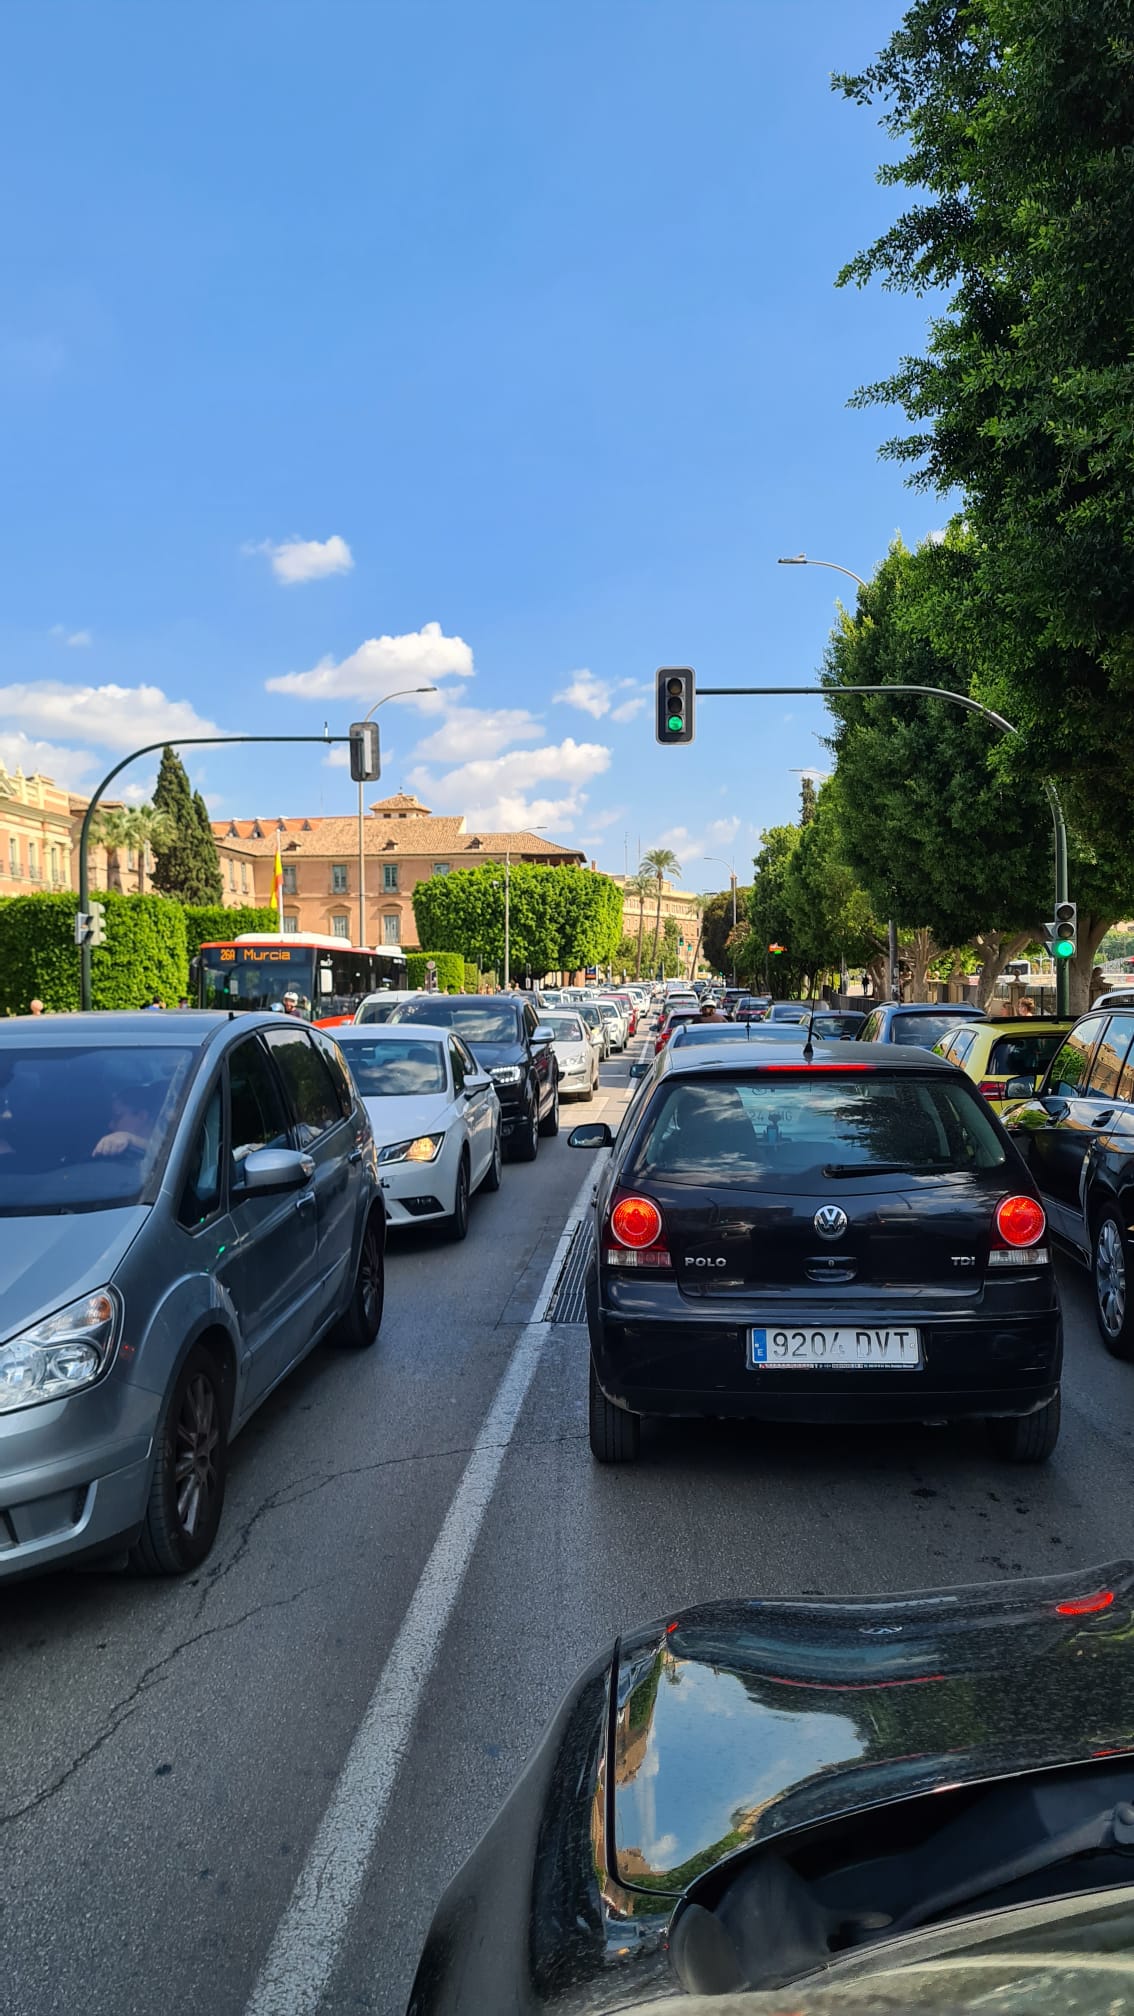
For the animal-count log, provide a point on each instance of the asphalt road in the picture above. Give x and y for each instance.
(173, 1753)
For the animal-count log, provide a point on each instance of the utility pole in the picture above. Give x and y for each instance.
(401, 694)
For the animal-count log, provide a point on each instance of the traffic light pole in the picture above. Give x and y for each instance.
(1062, 973)
(148, 749)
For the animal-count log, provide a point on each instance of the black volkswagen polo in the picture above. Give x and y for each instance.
(850, 1237)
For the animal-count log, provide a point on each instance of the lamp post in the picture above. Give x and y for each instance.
(508, 909)
(401, 694)
(732, 880)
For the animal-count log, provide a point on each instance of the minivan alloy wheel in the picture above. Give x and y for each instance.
(195, 1465)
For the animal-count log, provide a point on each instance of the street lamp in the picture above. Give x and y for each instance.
(508, 908)
(732, 879)
(401, 694)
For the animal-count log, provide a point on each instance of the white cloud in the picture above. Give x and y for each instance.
(493, 792)
(383, 665)
(69, 767)
(694, 848)
(627, 710)
(295, 559)
(115, 717)
(338, 758)
(936, 538)
(601, 820)
(469, 732)
(77, 639)
(587, 692)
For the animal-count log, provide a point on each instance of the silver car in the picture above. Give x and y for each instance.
(188, 1203)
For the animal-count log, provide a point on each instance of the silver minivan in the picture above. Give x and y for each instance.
(188, 1203)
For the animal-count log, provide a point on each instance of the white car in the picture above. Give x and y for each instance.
(379, 1007)
(611, 1012)
(591, 1016)
(435, 1116)
(575, 1053)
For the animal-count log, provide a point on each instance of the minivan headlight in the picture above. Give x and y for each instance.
(61, 1354)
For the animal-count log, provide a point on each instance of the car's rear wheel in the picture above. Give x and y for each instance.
(363, 1320)
(1110, 1269)
(459, 1217)
(190, 1470)
(1026, 1438)
(615, 1435)
(491, 1180)
(549, 1125)
(527, 1137)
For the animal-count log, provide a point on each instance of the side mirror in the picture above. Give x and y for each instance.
(271, 1169)
(641, 1070)
(543, 1035)
(1019, 1088)
(596, 1135)
(477, 1081)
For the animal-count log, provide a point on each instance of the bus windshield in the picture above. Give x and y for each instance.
(257, 976)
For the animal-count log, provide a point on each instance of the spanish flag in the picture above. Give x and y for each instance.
(277, 883)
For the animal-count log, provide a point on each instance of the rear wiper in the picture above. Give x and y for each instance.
(881, 1168)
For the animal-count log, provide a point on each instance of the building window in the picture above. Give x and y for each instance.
(231, 875)
(289, 878)
(340, 927)
(389, 874)
(440, 867)
(338, 878)
(33, 861)
(290, 923)
(391, 929)
(244, 878)
(55, 875)
(13, 857)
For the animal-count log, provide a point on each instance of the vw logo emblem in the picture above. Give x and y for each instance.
(830, 1222)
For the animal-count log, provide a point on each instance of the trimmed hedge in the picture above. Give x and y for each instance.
(450, 970)
(206, 922)
(145, 952)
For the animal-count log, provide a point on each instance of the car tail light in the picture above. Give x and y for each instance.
(1086, 1606)
(1020, 1221)
(992, 1088)
(636, 1234)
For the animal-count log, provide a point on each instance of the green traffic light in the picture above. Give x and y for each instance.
(1064, 948)
(675, 724)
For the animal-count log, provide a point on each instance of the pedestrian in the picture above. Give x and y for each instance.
(154, 1003)
(183, 1000)
(709, 1012)
(291, 1002)
(1027, 1006)
(35, 1006)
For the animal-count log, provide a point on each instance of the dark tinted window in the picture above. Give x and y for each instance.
(333, 1059)
(479, 1021)
(924, 1029)
(1068, 1073)
(1023, 1056)
(376, 1011)
(1109, 1058)
(393, 1067)
(84, 1128)
(457, 1055)
(308, 1082)
(767, 1130)
(258, 1116)
(202, 1192)
(870, 1028)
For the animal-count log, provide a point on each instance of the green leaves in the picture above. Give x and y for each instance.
(561, 918)
(185, 853)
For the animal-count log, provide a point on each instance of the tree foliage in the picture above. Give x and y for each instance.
(144, 954)
(185, 860)
(450, 971)
(208, 923)
(831, 922)
(562, 919)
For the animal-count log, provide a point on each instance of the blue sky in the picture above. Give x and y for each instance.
(519, 318)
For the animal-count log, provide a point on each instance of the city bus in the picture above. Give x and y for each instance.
(330, 978)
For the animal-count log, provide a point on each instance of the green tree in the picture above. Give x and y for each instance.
(663, 864)
(642, 884)
(561, 918)
(716, 924)
(769, 913)
(807, 800)
(185, 861)
(831, 923)
(1017, 122)
(122, 828)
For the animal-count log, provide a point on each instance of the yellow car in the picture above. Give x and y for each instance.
(990, 1053)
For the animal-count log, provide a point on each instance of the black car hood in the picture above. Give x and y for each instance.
(740, 1722)
(489, 1054)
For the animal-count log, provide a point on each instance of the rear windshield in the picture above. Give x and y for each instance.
(477, 1021)
(924, 1029)
(85, 1128)
(564, 1028)
(1025, 1056)
(376, 1011)
(767, 1129)
(392, 1067)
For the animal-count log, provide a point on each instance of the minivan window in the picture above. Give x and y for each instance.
(1106, 1070)
(258, 1117)
(768, 1131)
(308, 1081)
(85, 1127)
(1068, 1074)
(1023, 1056)
(201, 1194)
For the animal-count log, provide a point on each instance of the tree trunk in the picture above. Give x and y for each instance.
(1092, 931)
(920, 953)
(996, 948)
(657, 926)
(696, 950)
(641, 928)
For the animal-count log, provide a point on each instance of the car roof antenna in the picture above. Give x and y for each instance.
(808, 1048)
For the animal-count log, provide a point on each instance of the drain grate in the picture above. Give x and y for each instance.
(567, 1303)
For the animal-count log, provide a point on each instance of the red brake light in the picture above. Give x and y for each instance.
(1020, 1221)
(636, 1221)
(992, 1088)
(1086, 1606)
(808, 1070)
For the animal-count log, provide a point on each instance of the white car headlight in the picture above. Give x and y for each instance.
(60, 1355)
(506, 1074)
(423, 1148)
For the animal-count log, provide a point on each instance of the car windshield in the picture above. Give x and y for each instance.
(1025, 1055)
(926, 1029)
(565, 1028)
(763, 1129)
(86, 1127)
(477, 1021)
(376, 1010)
(390, 1067)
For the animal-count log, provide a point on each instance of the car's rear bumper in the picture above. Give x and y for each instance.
(972, 1366)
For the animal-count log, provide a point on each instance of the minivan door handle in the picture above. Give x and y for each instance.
(355, 1155)
(307, 1198)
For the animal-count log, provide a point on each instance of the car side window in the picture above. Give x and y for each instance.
(340, 1077)
(257, 1115)
(308, 1082)
(962, 1044)
(531, 1020)
(1068, 1074)
(458, 1063)
(873, 1023)
(201, 1192)
(1110, 1058)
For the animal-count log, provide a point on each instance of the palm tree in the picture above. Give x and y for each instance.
(152, 829)
(660, 863)
(112, 827)
(121, 827)
(698, 903)
(641, 884)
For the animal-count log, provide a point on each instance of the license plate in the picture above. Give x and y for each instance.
(809, 1350)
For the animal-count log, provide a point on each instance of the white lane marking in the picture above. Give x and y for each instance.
(302, 1955)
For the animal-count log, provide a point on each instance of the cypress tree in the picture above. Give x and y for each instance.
(185, 867)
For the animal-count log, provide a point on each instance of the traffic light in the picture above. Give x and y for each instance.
(365, 753)
(97, 934)
(1061, 933)
(776, 950)
(676, 688)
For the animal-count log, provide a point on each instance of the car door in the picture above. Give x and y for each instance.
(324, 1132)
(543, 1059)
(268, 1262)
(475, 1106)
(1058, 1144)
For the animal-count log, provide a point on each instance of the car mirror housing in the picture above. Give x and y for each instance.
(477, 1081)
(641, 1069)
(596, 1134)
(1019, 1088)
(543, 1035)
(268, 1169)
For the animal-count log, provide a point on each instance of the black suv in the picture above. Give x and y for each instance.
(1077, 1134)
(506, 1036)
